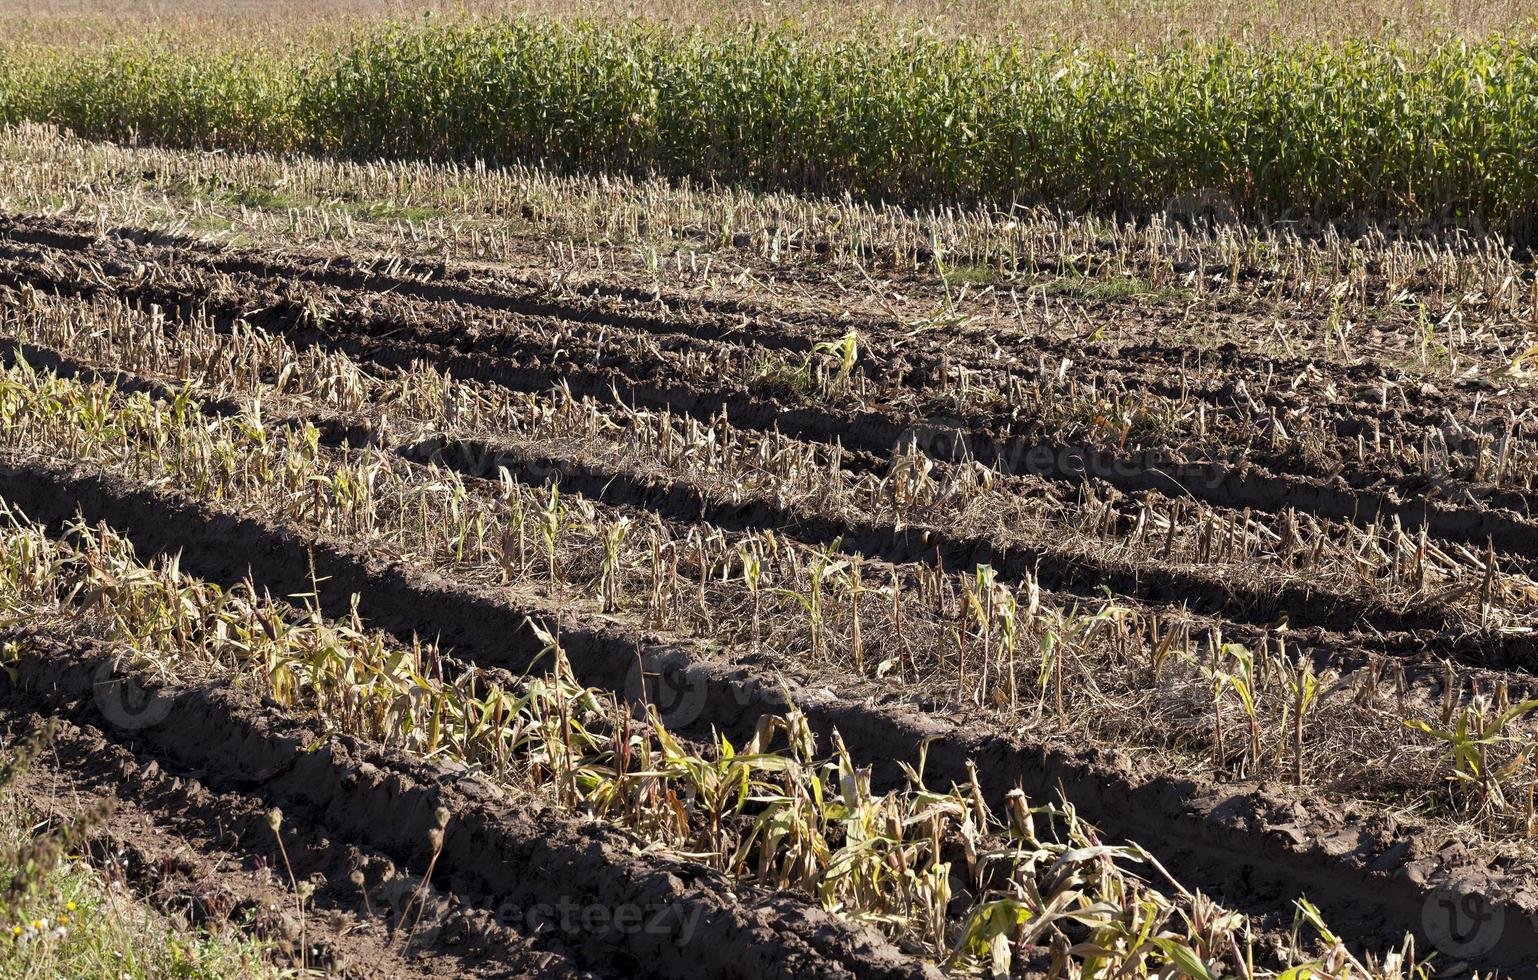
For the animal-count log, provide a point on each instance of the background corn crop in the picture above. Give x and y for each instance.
(1442, 134)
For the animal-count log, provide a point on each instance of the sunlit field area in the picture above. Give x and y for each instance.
(751, 490)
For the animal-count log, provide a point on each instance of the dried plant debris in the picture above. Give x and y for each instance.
(803, 614)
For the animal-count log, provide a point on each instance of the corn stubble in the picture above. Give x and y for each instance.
(1347, 660)
(774, 810)
(980, 639)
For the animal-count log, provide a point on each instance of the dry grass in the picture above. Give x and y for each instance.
(1111, 671)
(1437, 307)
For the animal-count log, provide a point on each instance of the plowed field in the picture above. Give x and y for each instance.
(1233, 606)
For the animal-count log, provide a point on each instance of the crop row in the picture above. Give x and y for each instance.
(1357, 130)
(447, 855)
(679, 466)
(1471, 289)
(1137, 421)
(771, 811)
(976, 637)
(485, 624)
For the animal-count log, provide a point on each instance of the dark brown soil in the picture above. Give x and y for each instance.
(196, 786)
(209, 763)
(1255, 846)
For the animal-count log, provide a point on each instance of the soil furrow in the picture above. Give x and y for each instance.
(209, 857)
(873, 433)
(502, 859)
(895, 351)
(972, 346)
(591, 305)
(508, 361)
(1085, 576)
(1260, 603)
(1370, 876)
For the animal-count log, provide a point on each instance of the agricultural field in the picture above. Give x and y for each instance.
(549, 491)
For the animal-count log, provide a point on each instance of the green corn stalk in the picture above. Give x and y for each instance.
(1470, 741)
(1303, 686)
(846, 350)
(1242, 680)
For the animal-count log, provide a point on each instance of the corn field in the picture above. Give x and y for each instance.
(1426, 137)
(769, 492)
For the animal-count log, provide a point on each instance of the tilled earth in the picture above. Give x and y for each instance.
(1221, 489)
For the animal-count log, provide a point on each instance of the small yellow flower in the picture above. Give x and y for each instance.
(64, 920)
(39, 924)
(15, 930)
(70, 906)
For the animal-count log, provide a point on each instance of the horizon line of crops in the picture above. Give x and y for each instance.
(1361, 131)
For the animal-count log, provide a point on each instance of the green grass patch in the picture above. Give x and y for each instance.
(81, 929)
(971, 274)
(60, 917)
